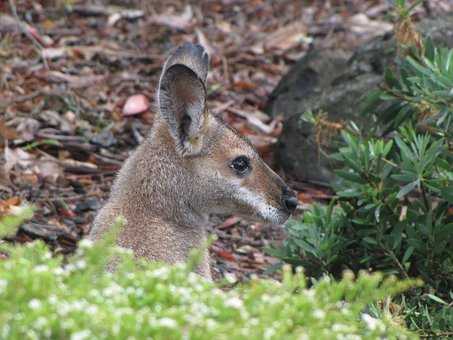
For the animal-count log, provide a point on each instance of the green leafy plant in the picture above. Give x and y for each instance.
(315, 242)
(10, 222)
(394, 189)
(44, 296)
(417, 91)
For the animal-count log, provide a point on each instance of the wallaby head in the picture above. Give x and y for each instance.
(190, 166)
(228, 176)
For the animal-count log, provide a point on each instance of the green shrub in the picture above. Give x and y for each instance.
(394, 190)
(391, 213)
(45, 297)
(315, 242)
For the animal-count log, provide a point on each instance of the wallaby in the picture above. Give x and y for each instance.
(191, 165)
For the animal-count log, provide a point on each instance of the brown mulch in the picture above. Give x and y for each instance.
(77, 85)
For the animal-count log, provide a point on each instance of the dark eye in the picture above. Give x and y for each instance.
(241, 165)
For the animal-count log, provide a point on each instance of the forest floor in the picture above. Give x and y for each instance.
(77, 86)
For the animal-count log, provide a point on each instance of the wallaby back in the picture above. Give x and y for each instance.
(191, 165)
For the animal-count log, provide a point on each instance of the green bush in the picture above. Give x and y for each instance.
(394, 190)
(390, 213)
(46, 297)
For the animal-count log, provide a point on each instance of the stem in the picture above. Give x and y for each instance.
(395, 259)
(425, 198)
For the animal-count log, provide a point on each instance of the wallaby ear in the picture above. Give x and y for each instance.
(182, 97)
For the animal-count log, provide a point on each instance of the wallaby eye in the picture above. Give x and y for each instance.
(241, 165)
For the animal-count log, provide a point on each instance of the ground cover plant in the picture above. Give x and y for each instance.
(392, 209)
(43, 296)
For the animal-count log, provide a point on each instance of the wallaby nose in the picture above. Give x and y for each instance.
(290, 200)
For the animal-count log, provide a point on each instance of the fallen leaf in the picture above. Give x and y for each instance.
(28, 127)
(45, 40)
(245, 249)
(135, 104)
(225, 254)
(286, 37)
(74, 81)
(304, 198)
(244, 85)
(6, 132)
(48, 169)
(6, 205)
(361, 24)
(181, 21)
(15, 157)
(229, 222)
(129, 14)
(258, 257)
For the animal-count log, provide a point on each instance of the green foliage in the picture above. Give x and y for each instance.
(394, 190)
(315, 242)
(46, 297)
(10, 223)
(392, 212)
(396, 203)
(419, 92)
(425, 311)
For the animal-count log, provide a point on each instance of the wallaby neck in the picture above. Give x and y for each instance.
(151, 181)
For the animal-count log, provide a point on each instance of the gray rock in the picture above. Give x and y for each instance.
(335, 82)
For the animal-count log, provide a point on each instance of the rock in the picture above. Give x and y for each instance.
(333, 81)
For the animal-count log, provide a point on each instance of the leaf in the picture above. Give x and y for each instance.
(447, 193)
(387, 96)
(407, 189)
(225, 254)
(286, 37)
(420, 68)
(177, 21)
(436, 298)
(408, 253)
(449, 62)
(390, 78)
(377, 214)
(350, 176)
(370, 240)
(429, 48)
(405, 176)
(387, 148)
(406, 152)
(370, 102)
(349, 193)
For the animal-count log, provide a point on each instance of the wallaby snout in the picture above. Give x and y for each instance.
(192, 165)
(289, 199)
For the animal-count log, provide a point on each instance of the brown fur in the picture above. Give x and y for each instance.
(182, 173)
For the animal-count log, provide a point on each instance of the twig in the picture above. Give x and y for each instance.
(219, 109)
(24, 30)
(395, 259)
(254, 120)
